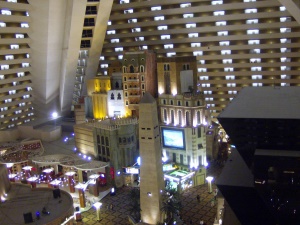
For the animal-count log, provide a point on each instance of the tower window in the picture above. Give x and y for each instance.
(186, 66)
(89, 22)
(91, 10)
(85, 44)
(166, 67)
(87, 33)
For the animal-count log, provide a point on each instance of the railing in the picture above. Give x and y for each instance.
(114, 123)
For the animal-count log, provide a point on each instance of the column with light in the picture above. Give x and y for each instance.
(97, 205)
(9, 167)
(81, 188)
(209, 180)
(71, 182)
(54, 116)
(49, 179)
(95, 184)
(32, 181)
(55, 183)
(27, 171)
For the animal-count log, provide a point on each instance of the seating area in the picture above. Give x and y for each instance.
(14, 152)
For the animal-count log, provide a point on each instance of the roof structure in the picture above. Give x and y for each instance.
(265, 102)
(70, 161)
(147, 98)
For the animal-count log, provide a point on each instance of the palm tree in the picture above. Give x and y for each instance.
(171, 203)
(135, 207)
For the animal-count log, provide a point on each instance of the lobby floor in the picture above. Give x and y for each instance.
(192, 211)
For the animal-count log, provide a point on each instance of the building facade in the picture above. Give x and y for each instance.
(184, 115)
(138, 77)
(236, 43)
(110, 140)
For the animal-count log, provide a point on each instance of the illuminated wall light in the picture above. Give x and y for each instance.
(160, 90)
(3, 199)
(149, 194)
(138, 160)
(164, 158)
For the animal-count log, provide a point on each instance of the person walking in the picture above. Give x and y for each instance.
(198, 198)
(215, 193)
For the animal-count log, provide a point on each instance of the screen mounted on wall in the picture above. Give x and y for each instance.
(173, 138)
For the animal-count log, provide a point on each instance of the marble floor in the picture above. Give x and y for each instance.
(192, 211)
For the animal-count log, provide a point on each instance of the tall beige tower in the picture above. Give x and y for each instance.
(151, 173)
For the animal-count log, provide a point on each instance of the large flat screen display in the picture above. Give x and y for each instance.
(173, 138)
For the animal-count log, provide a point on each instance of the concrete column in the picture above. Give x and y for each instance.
(33, 184)
(71, 183)
(209, 180)
(81, 198)
(49, 180)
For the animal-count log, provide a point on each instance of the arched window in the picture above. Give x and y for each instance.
(171, 102)
(180, 118)
(186, 66)
(165, 115)
(117, 85)
(198, 103)
(119, 96)
(178, 103)
(198, 117)
(164, 101)
(172, 117)
(131, 68)
(142, 78)
(124, 69)
(112, 96)
(142, 69)
(166, 67)
(187, 118)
